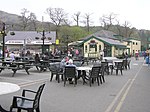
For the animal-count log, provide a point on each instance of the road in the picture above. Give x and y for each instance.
(123, 93)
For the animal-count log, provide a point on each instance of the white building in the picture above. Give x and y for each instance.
(27, 40)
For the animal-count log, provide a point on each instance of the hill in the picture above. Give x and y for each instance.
(15, 20)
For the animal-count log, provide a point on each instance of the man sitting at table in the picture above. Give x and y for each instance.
(70, 63)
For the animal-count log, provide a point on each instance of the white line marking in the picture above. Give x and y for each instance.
(126, 92)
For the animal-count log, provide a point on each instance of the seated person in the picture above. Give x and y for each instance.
(70, 63)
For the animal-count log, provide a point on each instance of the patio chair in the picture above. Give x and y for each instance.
(28, 104)
(70, 72)
(94, 74)
(101, 74)
(106, 67)
(56, 70)
(118, 66)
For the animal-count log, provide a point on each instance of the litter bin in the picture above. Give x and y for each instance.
(147, 59)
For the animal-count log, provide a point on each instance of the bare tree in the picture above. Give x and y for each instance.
(24, 18)
(33, 20)
(87, 21)
(118, 27)
(76, 18)
(57, 16)
(107, 20)
(127, 26)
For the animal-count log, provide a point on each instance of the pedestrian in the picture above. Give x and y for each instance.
(12, 56)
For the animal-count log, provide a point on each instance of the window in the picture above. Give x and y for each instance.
(136, 43)
(86, 48)
(133, 43)
(100, 47)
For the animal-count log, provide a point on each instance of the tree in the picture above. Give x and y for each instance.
(71, 34)
(128, 31)
(33, 20)
(76, 18)
(57, 16)
(107, 20)
(24, 18)
(87, 21)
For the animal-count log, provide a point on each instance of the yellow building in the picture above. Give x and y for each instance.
(93, 45)
(110, 43)
(133, 45)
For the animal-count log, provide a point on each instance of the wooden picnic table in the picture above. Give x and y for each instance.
(14, 66)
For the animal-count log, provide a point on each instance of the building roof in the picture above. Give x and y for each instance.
(105, 34)
(30, 35)
(111, 41)
(105, 40)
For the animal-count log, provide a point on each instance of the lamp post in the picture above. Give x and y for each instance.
(2, 25)
(66, 37)
(43, 39)
(4, 34)
(3, 28)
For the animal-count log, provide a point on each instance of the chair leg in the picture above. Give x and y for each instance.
(103, 78)
(37, 110)
(97, 81)
(90, 81)
(121, 72)
(11, 108)
(100, 78)
(58, 78)
(64, 82)
(117, 72)
(51, 76)
(18, 110)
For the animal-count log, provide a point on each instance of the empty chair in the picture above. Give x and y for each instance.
(25, 103)
(94, 74)
(118, 66)
(70, 72)
(106, 67)
(56, 70)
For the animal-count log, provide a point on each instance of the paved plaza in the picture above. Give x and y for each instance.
(122, 93)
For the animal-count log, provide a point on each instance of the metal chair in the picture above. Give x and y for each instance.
(56, 70)
(70, 72)
(28, 104)
(118, 66)
(94, 74)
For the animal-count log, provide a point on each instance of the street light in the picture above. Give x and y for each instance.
(3, 32)
(66, 41)
(43, 39)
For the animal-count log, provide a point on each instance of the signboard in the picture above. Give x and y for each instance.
(57, 41)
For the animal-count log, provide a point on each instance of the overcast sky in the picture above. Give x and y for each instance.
(137, 12)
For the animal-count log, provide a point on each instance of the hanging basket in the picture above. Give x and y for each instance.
(12, 33)
(37, 38)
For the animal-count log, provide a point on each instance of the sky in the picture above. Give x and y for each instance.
(136, 12)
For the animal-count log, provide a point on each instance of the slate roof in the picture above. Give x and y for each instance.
(30, 35)
(105, 34)
(105, 40)
(111, 41)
